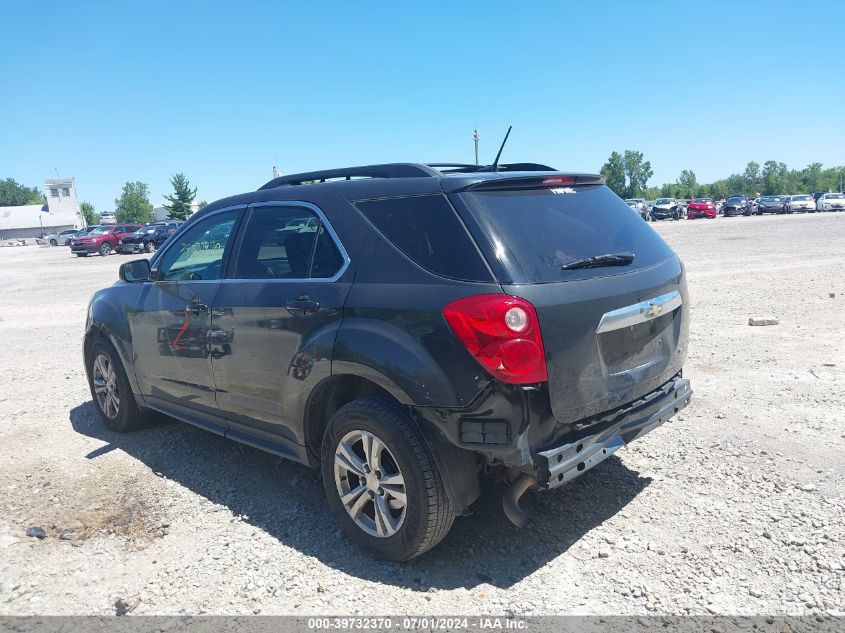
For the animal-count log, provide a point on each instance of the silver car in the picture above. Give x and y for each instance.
(800, 204)
(61, 238)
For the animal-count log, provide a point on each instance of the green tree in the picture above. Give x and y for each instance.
(134, 204)
(14, 194)
(202, 204)
(687, 185)
(90, 216)
(637, 173)
(180, 202)
(614, 171)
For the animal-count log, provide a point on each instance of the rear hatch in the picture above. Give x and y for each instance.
(612, 333)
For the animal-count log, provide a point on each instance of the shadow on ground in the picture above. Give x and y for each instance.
(287, 501)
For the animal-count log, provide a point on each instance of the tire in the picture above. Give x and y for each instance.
(426, 516)
(149, 247)
(105, 249)
(124, 415)
(53, 243)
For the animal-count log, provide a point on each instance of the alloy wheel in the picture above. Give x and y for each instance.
(105, 386)
(370, 484)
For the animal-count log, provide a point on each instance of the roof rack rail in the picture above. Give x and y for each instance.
(462, 168)
(390, 170)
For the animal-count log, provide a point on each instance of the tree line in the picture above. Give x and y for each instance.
(133, 206)
(627, 175)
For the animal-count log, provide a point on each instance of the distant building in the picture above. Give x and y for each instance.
(161, 212)
(32, 220)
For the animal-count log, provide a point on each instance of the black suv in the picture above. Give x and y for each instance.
(406, 328)
(148, 238)
(737, 205)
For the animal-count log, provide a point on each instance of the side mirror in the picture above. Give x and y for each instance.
(134, 271)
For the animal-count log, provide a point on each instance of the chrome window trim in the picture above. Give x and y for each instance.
(329, 229)
(640, 312)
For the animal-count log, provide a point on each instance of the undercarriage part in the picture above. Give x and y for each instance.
(510, 500)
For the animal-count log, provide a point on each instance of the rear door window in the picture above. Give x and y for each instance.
(286, 242)
(546, 229)
(427, 230)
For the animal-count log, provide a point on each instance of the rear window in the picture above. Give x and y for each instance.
(546, 229)
(427, 230)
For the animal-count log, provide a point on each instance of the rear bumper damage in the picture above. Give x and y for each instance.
(563, 463)
(560, 464)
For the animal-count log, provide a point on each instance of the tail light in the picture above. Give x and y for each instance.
(503, 334)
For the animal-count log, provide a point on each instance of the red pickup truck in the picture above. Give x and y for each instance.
(102, 240)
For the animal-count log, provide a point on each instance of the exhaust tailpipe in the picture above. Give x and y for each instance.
(510, 500)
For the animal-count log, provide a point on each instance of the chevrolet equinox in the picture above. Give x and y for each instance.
(407, 329)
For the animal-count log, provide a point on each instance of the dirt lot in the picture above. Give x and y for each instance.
(734, 507)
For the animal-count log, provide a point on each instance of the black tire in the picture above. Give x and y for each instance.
(129, 416)
(105, 249)
(428, 510)
(149, 247)
(53, 243)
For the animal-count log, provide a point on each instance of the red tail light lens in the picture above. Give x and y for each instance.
(503, 334)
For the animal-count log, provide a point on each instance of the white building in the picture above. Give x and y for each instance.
(161, 213)
(32, 220)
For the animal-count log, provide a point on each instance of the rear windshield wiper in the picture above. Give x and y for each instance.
(611, 259)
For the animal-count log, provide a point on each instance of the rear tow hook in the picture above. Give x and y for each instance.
(510, 500)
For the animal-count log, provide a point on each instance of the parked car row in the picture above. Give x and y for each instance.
(122, 238)
(671, 208)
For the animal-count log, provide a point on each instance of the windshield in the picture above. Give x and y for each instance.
(735, 199)
(101, 230)
(835, 196)
(800, 198)
(537, 231)
(702, 200)
(663, 201)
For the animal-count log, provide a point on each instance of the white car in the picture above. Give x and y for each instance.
(831, 202)
(801, 204)
(108, 218)
(639, 205)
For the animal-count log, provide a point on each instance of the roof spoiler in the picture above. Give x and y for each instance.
(548, 180)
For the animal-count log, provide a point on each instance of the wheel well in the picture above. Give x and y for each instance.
(92, 336)
(329, 396)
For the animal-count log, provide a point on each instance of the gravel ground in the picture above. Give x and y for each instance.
(735, 507)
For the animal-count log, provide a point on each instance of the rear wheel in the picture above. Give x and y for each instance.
(105, 249)
(150, 247)
(110, 390)
(53, 243)
(382, 482)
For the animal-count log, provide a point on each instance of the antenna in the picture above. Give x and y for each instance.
(475, 138)
(495, 164)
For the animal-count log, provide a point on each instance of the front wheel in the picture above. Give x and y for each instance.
(53, 243)
(150, 247)
(382, 482)
(110, 390)
(105, 249)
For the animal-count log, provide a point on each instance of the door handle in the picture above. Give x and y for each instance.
(302, 306)
(196, 308)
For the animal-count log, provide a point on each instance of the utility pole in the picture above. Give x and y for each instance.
(475, 140)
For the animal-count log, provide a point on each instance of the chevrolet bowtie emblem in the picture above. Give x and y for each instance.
(654, 310)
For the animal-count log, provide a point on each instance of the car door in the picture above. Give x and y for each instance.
(170, 326)
(274, 322)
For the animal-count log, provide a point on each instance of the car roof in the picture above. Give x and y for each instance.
(356, 183)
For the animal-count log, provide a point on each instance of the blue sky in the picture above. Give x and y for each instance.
(109, 92)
